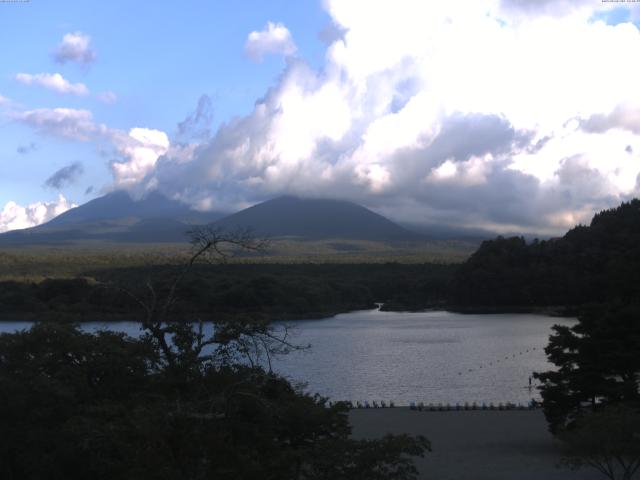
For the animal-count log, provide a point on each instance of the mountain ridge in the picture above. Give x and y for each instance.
(116, 217)
(114, 205)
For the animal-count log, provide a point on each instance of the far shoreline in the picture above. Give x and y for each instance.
(84, 317)
(73, 317)
(547, 310)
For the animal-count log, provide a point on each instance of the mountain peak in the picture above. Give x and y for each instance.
(315, 218)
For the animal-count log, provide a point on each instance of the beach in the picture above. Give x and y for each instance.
(475, 445)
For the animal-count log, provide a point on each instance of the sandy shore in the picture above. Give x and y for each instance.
(475, 445)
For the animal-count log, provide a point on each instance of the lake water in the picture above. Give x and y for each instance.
(428, 357)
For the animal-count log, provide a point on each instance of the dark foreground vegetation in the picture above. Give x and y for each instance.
(175, 403)
(75, 405)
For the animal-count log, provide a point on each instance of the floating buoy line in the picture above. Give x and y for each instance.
(499, 360)
(440, 407)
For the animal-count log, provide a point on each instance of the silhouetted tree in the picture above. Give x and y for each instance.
(607, 440)
(598, 363)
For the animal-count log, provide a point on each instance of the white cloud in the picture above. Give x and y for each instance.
(14, 216)
(63, 122)
(75, 47)
(136, 151)
(107, 97)
(4, 100)
(139, 150)
(275, 38)
(467, 173)
(53, 81)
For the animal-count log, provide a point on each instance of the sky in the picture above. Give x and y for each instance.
(510, 115)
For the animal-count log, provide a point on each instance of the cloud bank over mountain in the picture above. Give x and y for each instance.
(509, 115)
(430, 111)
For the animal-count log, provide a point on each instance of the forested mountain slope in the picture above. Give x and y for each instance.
(595, 263)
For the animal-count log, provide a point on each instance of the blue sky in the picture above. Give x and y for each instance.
(157, 59)
(503, 114)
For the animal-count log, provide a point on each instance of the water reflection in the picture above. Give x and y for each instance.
(409, 357)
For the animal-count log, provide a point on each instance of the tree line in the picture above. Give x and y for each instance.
(272, 291)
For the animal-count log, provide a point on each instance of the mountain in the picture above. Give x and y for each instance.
(316, 219)
(116, 217)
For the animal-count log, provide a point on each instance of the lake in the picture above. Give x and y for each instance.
(428, 357)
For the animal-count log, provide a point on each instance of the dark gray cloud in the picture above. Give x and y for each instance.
(504, 197)
(577, 182)
(89, 190)
(26, 149)
(65, 176)
(512, 200)
(464, 136)
(622, 117)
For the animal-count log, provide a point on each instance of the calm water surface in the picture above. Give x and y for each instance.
(426, 357)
